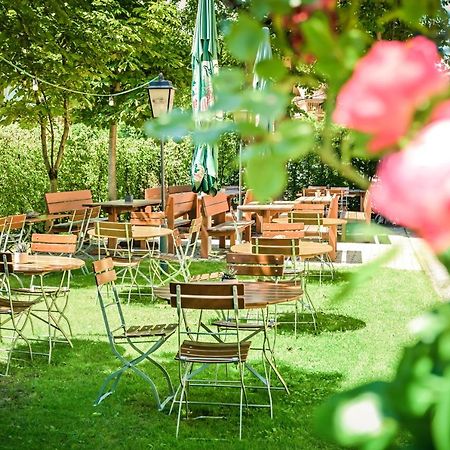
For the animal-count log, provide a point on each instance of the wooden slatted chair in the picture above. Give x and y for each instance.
(282, 229)
(177, 264)
(122, 254)
(145, 339)
(201, 346)
(55, 295)
(14, 313)
(361, 216)
(16, 232)
(214, 211)
(289, 247)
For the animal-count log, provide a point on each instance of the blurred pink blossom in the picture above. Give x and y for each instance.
(441, 111)
(413, 186)
(387, 86)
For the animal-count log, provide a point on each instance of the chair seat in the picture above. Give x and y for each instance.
(314, 230)
(18, 305)
(125, 262)
(355, 215)
(213, 352)
(231, 324)
(229, 226)
(164, 330)
(180, 222)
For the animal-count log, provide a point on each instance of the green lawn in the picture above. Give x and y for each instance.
(51, 406)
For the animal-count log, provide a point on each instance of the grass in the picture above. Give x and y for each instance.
(51, 406)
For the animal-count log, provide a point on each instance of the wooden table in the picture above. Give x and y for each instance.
(257, 294)
(42, 264)
(322, 199)
(361, 193)
(265, 212)
(306, 250)
(116, 207)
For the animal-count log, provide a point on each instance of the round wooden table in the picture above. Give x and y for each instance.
(306, 249)
(41, 264)
(257, 294)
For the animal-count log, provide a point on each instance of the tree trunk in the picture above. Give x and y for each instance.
(112, 159)
(112, 154)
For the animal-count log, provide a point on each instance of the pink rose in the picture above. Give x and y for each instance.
(441, 112)
(387, 86)
(413, 186)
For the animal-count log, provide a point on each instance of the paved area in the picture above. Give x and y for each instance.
(411, 253)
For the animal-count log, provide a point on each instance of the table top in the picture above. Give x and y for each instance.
(122, 204)
(313, 199)
(325, 221)
(39, 264)
(45, 218)
(257, 294)
(254, 207)
(307, 249)
(144, 232)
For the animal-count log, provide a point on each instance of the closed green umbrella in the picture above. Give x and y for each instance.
(204, 66)
(259, 83)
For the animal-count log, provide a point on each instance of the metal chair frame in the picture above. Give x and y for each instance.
(14, 313)
(151, 336)
(205, 347)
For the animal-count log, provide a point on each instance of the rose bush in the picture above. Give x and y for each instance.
(387, 86)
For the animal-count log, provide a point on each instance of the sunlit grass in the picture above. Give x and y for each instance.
(360, 339)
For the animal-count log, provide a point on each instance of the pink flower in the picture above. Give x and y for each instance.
(441, 112)
(387, 86)
(413, 186)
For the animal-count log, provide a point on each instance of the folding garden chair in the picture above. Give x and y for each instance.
(14, 313)
(177, 264)
(200, 347)
(55, 296)
(15, 232)
(289, 247)
(123, 255)
(144, 339)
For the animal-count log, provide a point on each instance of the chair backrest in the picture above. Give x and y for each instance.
(179, 205)
(211, 296)
(192, 238)
(147, 218)
(153, 193)
(275, 246)
(312, 190)
(256, 265)
(309, 207)
(333, 210)
(180, 188)
(4, 230)
(119, 230)
(283, 229)
(53, 243)
(105, 277)
(306, 217)
(213, 206)
(58, 202)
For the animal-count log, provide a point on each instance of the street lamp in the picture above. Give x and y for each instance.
(160, 97)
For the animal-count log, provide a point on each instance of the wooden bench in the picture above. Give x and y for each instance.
(361, 216)
(214, 210)
(64, 202)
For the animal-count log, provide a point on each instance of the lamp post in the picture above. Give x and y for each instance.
(160, 96)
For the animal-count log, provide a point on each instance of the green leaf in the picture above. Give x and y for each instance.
(265, 174)
(244, 38)
(176, 125)
(293, 139)
(271, 69)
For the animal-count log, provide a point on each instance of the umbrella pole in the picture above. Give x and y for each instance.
(163, 239)
(240, 179)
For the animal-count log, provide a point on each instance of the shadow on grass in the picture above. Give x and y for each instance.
(52, 406)
(325, 323)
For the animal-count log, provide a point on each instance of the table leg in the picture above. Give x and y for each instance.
(112, 217)
(332, 236)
